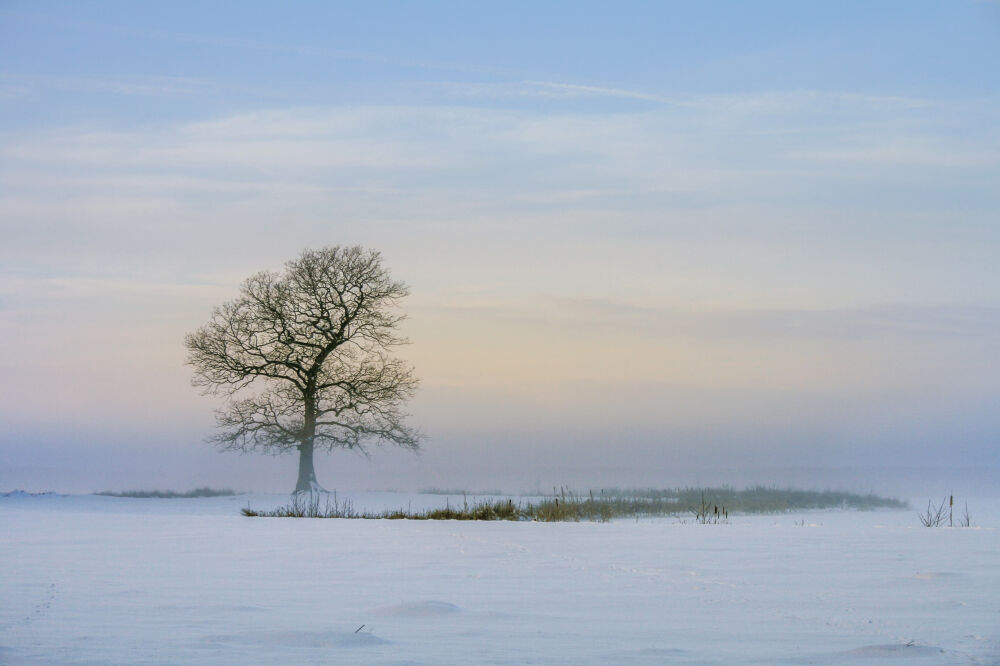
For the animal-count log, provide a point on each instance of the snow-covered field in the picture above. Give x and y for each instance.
(88, 579)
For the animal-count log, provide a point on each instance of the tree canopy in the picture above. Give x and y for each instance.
(304, 359)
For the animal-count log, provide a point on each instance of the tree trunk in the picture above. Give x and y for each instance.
(307, 473)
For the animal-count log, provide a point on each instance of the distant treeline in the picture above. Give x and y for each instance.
(459, 491)
(171, 494)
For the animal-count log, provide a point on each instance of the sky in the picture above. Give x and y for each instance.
(644, 241)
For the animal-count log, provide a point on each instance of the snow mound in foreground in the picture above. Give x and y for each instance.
(896, 650)
(419, 609)
(931, 575)
(301, 639)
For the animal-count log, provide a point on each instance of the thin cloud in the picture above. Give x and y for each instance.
(906, 153)
(829, 101)
(577, 90)
(755, 102)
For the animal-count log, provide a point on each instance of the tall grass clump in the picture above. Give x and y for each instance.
(566, 505)
(484, 510)
(939, 517)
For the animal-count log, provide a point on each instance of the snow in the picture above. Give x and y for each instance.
(87, 579)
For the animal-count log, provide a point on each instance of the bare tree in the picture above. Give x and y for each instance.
(303, 358)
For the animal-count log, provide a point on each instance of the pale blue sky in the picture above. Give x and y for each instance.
(671, 233)
(136, 63)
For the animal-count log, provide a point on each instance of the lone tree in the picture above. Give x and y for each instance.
(303, 358)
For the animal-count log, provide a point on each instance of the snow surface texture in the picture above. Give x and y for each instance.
(88, 579)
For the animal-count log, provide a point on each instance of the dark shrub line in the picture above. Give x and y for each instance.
(458, 491)
(171, 494)
(761, 499)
